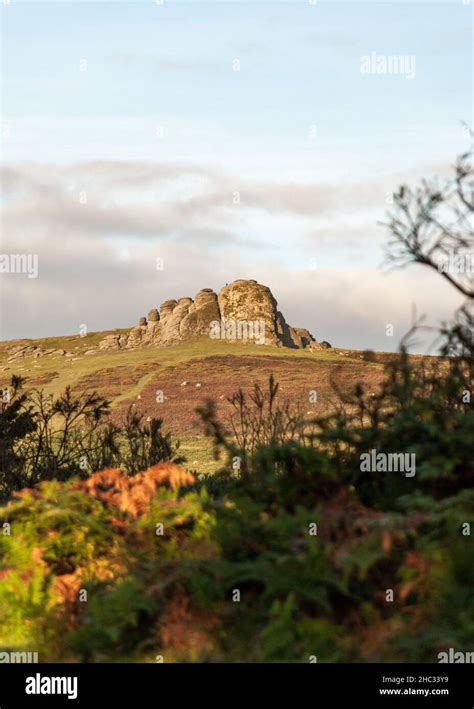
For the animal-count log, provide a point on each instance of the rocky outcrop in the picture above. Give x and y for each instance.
(18, 352)
(302, 337)
(114, 342)
(243, 310)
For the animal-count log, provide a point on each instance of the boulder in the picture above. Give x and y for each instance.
(110, 342)
(249, 301)
(136, 336)
(169, 334)
(203, 311)
(301, 337)
(166, 310)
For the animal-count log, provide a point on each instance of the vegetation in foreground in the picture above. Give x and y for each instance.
(289, 552)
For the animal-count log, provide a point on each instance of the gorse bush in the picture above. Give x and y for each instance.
(48, 438)
(16, 424)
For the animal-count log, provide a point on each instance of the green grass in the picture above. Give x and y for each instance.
(70, 372)
(199, 454)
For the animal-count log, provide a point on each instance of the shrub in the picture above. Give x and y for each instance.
(47, 438)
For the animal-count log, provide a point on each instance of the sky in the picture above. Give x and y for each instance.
(223, 140)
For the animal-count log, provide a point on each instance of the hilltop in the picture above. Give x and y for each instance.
(170, 363)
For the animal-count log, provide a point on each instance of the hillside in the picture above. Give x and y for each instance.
(187, 374)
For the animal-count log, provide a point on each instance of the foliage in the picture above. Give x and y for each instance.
(48, 438)
(16, 423)
(258, 420)
(97, 536)
(433, 222)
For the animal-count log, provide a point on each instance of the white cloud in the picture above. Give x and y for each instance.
(97, 261)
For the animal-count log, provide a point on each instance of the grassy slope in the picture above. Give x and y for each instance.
(218, 367)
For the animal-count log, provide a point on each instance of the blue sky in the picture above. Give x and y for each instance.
(160, 131)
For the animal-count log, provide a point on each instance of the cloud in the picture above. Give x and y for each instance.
(147, 199)
(316, 245)
(107, 199)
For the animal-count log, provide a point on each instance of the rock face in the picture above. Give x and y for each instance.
(242, 311)
(203, 311)
(248, 300)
